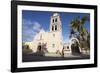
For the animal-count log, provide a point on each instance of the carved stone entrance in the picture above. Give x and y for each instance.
(41, 48)
(74, 45)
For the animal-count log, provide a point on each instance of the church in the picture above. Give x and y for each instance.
(52, 40)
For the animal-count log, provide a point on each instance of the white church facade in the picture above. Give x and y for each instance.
(52, 40)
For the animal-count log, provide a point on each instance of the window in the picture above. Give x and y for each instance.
(67, 47)
(56, 20)
(52, 28)
(53, 21)
(41, 37)
(55, 27)
(53, 35)
(53, 45)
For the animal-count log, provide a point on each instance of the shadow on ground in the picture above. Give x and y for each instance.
(40, 57)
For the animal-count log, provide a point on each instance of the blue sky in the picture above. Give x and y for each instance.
(34, 21)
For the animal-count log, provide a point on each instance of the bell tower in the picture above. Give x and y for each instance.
(56, 41)
(55, 23)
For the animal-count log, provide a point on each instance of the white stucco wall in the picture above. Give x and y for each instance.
(48, 38)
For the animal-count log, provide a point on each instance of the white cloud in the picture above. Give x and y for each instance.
(30, 29)
(27, 22)
(36, 26)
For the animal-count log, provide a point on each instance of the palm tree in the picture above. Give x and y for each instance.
(74, 26)
(72, 33)
(77, 26)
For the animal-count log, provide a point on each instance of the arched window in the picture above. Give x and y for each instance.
(56, 20)
(53, 45)
(53, 35)
(55, 27)
(53, 21)
(52, 28)
(67, 47)
(40, 36)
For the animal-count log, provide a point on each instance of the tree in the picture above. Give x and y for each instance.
(26, 49)
(78, 30)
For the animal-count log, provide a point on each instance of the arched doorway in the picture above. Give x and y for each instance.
(39, 47)
(42, 48)
(74, 45)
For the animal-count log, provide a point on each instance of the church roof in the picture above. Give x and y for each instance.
(38, 34)
(42, 31)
